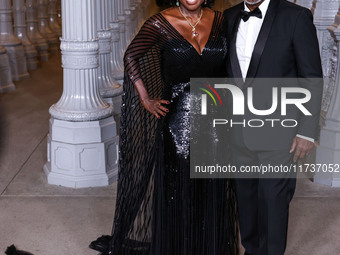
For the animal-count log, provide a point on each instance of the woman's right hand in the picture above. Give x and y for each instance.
(155, 107)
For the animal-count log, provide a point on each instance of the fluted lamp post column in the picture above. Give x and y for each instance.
(324, 12)
(33, 31)
(305, 3)
(53, 17)
(109, 88)
(82, 143)
(44, 28)
(328, 152)
(20, 30)
(140, 10)
(6, 83)
(122, 30)
(59, 12)
(129, 21)
(117, 66)
(13, 45)
(138, 15)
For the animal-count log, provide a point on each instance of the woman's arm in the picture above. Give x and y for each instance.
(153, 105)
(146, 38)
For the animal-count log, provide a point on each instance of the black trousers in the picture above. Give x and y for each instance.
(263, 203)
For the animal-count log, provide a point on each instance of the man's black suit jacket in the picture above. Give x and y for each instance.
(287, 47)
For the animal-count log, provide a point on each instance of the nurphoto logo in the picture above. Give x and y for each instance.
(239, 99)
(243, 100)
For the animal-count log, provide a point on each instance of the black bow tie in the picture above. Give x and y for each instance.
(246, 15)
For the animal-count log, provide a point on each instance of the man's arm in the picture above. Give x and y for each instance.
(308, 63)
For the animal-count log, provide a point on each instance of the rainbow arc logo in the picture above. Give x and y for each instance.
(211, 92)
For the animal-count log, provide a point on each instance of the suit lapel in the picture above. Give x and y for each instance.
(261, 40)
(235, 65)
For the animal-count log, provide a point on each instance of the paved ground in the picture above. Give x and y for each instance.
(52, 220)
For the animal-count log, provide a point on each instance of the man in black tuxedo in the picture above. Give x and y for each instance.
(271, 39)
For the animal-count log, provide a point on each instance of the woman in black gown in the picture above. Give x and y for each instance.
(159, 209)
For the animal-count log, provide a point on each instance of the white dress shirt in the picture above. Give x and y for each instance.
(247, 35)
(245, 41)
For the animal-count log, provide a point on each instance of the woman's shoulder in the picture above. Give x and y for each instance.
(164, 16)
(156, 21)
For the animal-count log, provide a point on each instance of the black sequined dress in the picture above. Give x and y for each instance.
(159, 209)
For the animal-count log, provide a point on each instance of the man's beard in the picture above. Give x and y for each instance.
(252, 2)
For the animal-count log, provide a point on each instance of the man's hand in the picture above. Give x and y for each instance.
(302, 147)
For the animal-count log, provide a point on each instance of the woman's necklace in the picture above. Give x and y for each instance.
(194, 33)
